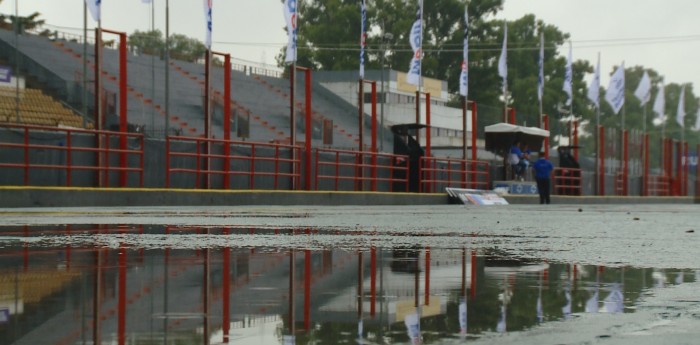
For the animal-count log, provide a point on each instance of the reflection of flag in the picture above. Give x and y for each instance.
(568, 76)
(413, 327)
(615, 95)
(415, 39)
(679, 278)
(660, 104)
(207, 16)
(503, 60)
(592, 303)
(290, 16)
(540, 311)
(594, 88)
(643, 91)
(680, 112)
(540, 77)
(464, 76)
(501, 327)
(614, 301)
(363, 37)
(463, 316)
(94, 8)
(566, 309)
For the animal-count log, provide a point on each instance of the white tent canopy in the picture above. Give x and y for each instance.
(501, 136)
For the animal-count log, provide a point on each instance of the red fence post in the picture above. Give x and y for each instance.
(374, 136)
(69, 162)
(686, 168)
(307, 145)
(511, 113)
(576, 140)
(227, 119)
(123, 123)
(601, 172)
(474, 137)
(625, 163)
(679, 168)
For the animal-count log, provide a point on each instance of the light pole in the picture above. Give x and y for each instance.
(385, 37)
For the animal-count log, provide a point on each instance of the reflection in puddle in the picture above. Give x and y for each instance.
(136, 285)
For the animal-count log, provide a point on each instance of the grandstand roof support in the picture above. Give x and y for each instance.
(227, 115)
(123, 121)
(307, 126)
(361, 105)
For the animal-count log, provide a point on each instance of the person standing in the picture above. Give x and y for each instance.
(543, 173)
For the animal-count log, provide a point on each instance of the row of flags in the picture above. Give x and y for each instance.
(614, 95)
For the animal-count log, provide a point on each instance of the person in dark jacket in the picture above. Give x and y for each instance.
(543, 172)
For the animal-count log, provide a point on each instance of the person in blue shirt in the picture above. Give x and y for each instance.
(515, 159)
(543, 172)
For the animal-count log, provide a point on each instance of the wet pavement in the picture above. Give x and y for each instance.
(518, 274)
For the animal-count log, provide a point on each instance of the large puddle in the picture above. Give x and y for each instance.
(158, 284)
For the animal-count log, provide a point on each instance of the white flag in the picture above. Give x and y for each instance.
(503, 60)
(660, 104)
(615, 94)
(697, 121)
(415, 39)
(568, 76)
(680, 112)
(594, 88)
(207, 18)
(540, 77)
(464, 76)
(290, 16)
(94, 8)
(363, 37)
(643, 92)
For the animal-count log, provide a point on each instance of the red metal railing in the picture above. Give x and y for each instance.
(351, 166)
(29, 149)
(659, 185)
(437, 173)
(567, 181)
(281, 156)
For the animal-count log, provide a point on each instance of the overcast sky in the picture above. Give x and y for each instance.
(659, 34)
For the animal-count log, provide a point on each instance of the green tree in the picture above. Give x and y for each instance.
(181, 47)
(148, 42)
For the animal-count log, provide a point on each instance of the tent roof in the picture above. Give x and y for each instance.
(500, 137)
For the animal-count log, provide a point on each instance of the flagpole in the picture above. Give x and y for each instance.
(597, 130)
(419, 87)
(17, 28)
(571, 106)
(542, 81)
(167, 68)
(85, 80)
(153, 68)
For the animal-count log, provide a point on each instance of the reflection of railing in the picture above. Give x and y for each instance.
(32, 150)
(284, 160)
(352, 166)
(567, 181)
(438, 173)
(659, 185)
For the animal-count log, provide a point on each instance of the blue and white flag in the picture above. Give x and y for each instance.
(615, 95)
(416, 41)
(594, 87)
(568, 77)
(290, 16)
(503, 60)
(680, 112)
(464, 76)
(207, 17)
(659, 107)
(643, 91)
(363, 37)
(94, 8)
(540, 76)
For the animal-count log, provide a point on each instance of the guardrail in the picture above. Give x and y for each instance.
(32, 147)
(659, 185)
(284, 161)
(567, 181)
(437, 173)
(358, 168)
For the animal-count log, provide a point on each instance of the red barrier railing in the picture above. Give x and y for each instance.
(659, 185)
(29, 148)
(352, 166)
(438, 173)
(285, 160)
(567, 181)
